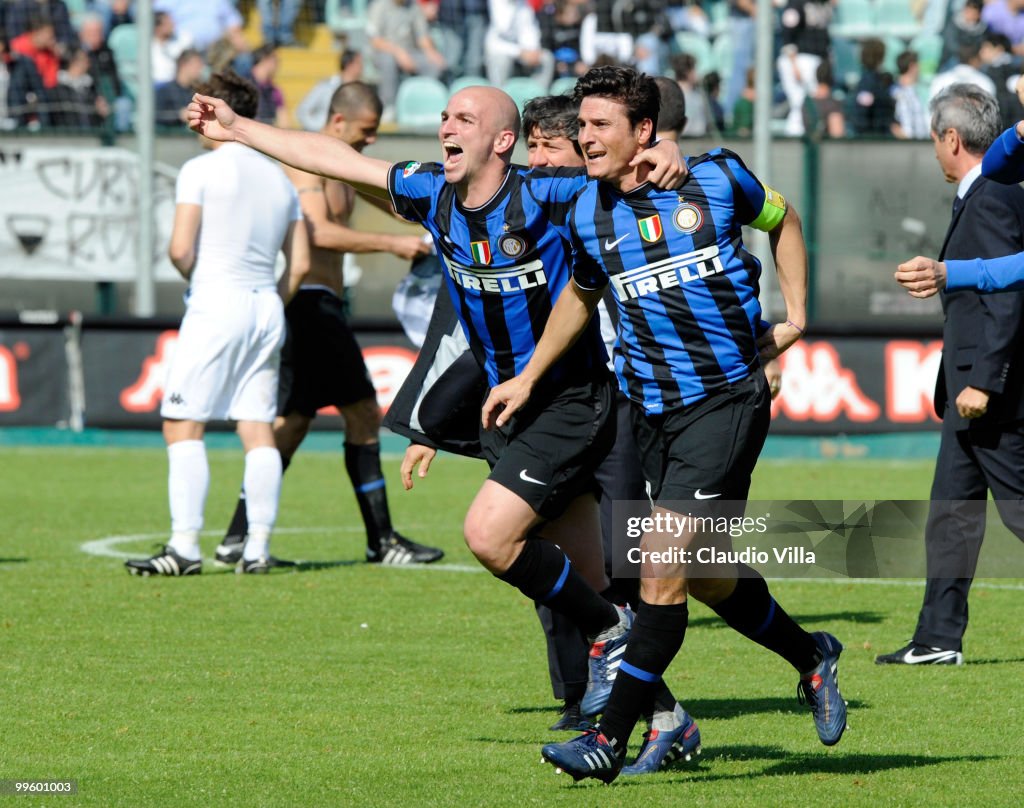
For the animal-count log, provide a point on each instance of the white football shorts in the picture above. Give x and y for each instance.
(226, 361)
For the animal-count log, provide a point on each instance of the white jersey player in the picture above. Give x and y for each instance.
(235, 211)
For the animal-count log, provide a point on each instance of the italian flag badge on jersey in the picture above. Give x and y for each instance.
(650, 228)
(481, 251)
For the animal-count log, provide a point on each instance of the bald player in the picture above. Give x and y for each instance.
(500, 229)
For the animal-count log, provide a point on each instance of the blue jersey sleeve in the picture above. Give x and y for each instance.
(1004, 160)
(757, 205)
(587, 271)
(555, 189)
(414, 187)
(1004, 274)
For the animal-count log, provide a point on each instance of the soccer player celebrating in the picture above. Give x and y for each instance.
(499, 230)
(686, 294)
(235, 210)
(322, 364)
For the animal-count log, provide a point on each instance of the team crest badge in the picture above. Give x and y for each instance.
(410, 168)
(650, 228)
(687, 218)
(481, 251)
(512, 246)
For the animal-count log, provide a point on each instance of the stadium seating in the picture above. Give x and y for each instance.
(522, 89)
(895, 18)
(894, 46)
(855, 19)
(721, 52)
(847, 62)
(346, 16)
(420, 102)
(929, 50)
(124, 42)
(562, 86)
(463, 82)
(698, 47)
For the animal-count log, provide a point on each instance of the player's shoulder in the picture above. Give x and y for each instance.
(410, 168)
(1010, 195)
(713, 161)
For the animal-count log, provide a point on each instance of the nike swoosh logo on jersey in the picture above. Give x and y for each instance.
(527, 478)
(698, 494)
(611, 245)
(913, 658)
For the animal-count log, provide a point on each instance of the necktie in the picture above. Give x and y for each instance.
(958, 203)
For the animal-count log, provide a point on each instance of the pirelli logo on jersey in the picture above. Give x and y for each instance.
(498, 281)
(667, 273)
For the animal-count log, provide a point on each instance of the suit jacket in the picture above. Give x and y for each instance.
(983, 335)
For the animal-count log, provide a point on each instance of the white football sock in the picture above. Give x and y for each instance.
(262, 484)
(188, 479)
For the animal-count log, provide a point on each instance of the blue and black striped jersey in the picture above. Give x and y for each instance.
(506, 262)
(685, 287)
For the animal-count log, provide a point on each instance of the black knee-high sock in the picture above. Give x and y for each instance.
(754, 613)
(657, 636)
(542, 572)
(239, 526)
(363, 466)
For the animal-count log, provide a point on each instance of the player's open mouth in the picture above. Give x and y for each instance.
(452, 152)
(591, 156)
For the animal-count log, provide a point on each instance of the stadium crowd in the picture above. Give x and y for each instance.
(851, 69)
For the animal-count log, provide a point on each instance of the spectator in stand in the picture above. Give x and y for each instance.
(74, 103)
(966, 71)
(685, 67)
(512, 44)
(206, 21)
(743, 109)
(21, 15)
(21, 91)
(39, 44)
(560, 22)
(805, 45)
(103, 69)
(313, 110)
(115, 13)
(402, 46)
(278, 20)
(686, 15)
(999, 65)
(463, 25)
(825, 117)
(964, 27)
(1006, 17)
(272, 108)
(911, 121)
(168, 45)
(742, 15)
(712, 90)
(872, 109)
(173, 97)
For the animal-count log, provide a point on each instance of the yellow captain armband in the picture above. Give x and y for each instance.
(772, 212)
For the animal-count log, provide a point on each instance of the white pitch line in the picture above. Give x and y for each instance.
(106, 547)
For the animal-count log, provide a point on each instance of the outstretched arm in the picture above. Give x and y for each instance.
(307, 151)
(568, 318)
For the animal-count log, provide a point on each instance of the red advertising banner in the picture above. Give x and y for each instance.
(33, 377)
(853, 385)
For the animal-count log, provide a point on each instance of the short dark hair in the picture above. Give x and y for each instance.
(552, 115)
(239, 93)
(352, 97)
(185, 55)
(824, 75)
(872, 53)
(977, 5)
(999, 40)
(348, 56)
(683, 64)
(636, 91)
(263, 51)
(671, 105)
(905, 61)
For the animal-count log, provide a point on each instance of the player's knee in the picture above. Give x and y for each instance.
(711, 590)
(362, 421)
(484, 540)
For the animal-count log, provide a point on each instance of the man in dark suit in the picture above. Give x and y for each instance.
(979, 389)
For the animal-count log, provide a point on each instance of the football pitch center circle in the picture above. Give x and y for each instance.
(109, 547)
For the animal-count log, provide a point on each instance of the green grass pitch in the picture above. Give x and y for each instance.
(350, 685)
